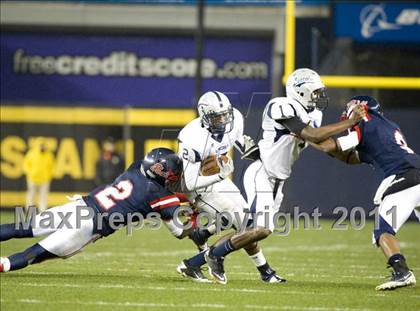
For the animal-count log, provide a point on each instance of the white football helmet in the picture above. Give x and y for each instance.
(306, 86)
(216, 113)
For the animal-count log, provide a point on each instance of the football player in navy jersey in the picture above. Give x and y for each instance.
(138, 192)
(379, 142)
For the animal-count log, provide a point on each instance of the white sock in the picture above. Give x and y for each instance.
(6, 263)
(258, 259)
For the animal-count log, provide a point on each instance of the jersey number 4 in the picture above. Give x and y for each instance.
(109, 195)
(399, 138)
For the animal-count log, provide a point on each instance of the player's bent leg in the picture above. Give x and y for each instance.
(393, 213)
(396, 208)
(56, 217)
(268, 275)
(41, 224)
(63, 243)
(216, 254)
(66, 242)
(32, 255)
(263, 194)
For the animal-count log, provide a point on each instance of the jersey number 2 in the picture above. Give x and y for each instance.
(109, 195)
(399, 138)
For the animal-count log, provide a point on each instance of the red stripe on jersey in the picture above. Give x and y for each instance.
(359, 132)
(168, 205)
(170, 200)
(182, 197)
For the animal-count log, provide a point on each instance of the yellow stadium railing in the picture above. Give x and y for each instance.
(339, 81)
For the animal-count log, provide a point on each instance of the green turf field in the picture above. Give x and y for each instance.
(326, 270)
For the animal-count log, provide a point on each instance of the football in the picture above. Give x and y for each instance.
(209, 165)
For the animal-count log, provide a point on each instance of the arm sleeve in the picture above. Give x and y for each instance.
(192, 163)
(349, 141)
(294, 125)
(193, 180)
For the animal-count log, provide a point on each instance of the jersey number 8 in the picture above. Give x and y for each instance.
(399, 138)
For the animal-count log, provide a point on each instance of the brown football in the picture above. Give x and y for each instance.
(209, 165)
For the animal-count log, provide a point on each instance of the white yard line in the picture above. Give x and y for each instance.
(128, 304)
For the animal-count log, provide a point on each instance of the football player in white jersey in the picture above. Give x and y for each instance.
(218, 128)
(288, 123)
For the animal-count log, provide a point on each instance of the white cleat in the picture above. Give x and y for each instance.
(274, 279)
(398, 281)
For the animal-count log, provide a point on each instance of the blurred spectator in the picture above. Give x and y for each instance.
(109, 165)
(38, 166)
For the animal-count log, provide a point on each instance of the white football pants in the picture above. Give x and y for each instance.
(67, 232)
(259, 188)
(223, 197)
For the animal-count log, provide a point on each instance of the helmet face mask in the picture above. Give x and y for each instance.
(319, 99)
(218, 122)
(216, 112)
(163, 166)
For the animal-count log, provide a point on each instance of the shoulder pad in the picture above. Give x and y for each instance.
(237, 114)
(281, 108)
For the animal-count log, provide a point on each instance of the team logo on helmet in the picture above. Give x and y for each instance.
(159, 170)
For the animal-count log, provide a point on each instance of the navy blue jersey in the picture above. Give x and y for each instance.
(130, 193)
(382, 144)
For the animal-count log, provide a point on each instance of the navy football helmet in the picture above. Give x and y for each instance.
(162, 165)
(371, 105)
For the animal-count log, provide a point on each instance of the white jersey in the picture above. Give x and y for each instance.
(196, 143)
(279, 148)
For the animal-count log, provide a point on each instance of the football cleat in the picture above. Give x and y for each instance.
(216, 267)
(398, 280)
(272, 277)
(191, 272)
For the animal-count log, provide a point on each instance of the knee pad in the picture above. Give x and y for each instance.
(383, 227)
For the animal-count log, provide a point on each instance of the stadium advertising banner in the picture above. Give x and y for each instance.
(77, 90)
(378, 22)
(74, 135)
(146, 71)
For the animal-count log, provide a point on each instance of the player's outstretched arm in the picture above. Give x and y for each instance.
(175, 229)
(333, 148)
(317, 135)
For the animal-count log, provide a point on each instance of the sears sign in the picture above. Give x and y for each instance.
(379, 22)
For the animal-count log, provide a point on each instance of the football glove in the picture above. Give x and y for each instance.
(226, 168)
